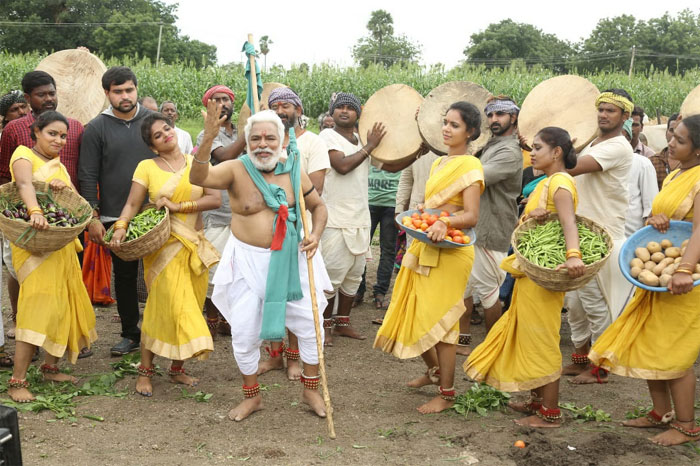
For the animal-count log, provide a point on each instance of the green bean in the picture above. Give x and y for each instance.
(545, 246)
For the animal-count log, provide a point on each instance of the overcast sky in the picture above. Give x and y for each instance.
(311, 31)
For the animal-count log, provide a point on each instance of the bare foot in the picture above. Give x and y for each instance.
(436, 405)
(587, 377)
(641, 422)
(349, 332)
(184, 379)
(143, 386)
(328, 338)
(574, 369)
(421, 381)
(60, 377)
(20, 395)
(293, 370)
(464, 350)
(245, 408)
(11, 333)
(673, 437)
(315, 401)
(524, 407)
(272, 364)
(536, 421)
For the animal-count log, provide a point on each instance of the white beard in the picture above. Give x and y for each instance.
(265, 165)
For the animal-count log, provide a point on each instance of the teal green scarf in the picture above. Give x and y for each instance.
(283, 283)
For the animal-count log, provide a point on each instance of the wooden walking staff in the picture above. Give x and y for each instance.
(317, 323)
(309, 266)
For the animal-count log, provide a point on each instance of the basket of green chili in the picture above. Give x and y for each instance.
(540, 248)
(64, 210)
(147, 232)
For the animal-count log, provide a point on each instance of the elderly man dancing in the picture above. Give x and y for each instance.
(261, 284)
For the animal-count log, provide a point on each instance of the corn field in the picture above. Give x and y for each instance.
(654, 90)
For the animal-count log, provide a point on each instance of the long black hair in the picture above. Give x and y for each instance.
(554, 136)
(693, 125)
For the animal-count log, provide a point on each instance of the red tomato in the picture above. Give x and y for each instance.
(415, 215)
(444, 214)
(416, 223)
(425, 216)
(458, 239)
(424, 226)
(431, 220)
(448, 238)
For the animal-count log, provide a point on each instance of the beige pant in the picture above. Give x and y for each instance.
(344, 268)
(487, 276)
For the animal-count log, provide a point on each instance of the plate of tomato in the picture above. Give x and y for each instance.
(416, 222)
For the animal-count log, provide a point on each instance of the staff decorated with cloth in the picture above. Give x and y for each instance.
(426, 304)
(176, 274)
(54, 310)
(521, 351)
(657, 337)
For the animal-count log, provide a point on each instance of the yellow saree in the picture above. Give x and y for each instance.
(177, 274)
(521, 351)
(52, 313)
(426, 303)
(657, 336)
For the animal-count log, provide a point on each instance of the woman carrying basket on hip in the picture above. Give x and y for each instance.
(53, 313)
(176, 274)
(521, 352)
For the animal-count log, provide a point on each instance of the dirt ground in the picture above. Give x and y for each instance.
(375, 417)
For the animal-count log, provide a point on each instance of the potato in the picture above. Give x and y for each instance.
(697, 268)
(685, 243)
(682, 251)
(643, 254)
(676, 260)
(667, 261)
(635, 271)
(658, 257)
(653, 246)
(668, 270)
(649, 265)
(658, 269)
(696, 276)
(666, 243)
(664, 279)
(648, 278)
(637, 262)
(673, 252)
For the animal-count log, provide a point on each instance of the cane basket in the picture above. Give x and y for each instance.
(53, 238)
(149, 243)
(559, 280)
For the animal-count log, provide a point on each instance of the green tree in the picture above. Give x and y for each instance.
(66, 24)
(382, 46)
(265, 43)
(500, 43)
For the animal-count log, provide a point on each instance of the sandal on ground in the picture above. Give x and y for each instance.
(476, 318)
(379, 302)
(11, 334)
(116, 318)
(6, 360)
(379, 321)
(357, 300)
(85, 353)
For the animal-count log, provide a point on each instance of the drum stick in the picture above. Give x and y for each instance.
(254, 80)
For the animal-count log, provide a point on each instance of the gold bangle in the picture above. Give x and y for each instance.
(679, 270)
(692, 267)
(35, 210)
(121, 225)
(578, 251)
(571, 254)
(446, 221)
(195, 206)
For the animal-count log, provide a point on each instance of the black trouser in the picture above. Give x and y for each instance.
(384, 218)
(125, 278)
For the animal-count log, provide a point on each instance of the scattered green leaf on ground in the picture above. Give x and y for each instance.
(481, 398)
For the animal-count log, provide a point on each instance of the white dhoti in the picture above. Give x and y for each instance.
(345, 257)
(239, 293)
(486, 276)
(592, 308)
(218, 236)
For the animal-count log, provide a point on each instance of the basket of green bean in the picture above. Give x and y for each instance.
(540, 248)
(65, 211)
(147, 232)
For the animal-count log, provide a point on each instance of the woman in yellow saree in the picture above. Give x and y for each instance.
(426, 304)
(521, 351)
(54, 310)
(657, 336)
(177, 274)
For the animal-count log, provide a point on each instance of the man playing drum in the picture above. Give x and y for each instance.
(261, 285)
(601, 178)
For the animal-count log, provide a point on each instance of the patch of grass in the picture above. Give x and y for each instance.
(199, 395)
(481, 398)
(587, 413)
(638, 411)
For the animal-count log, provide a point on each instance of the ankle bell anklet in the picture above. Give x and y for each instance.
(465, 339)
(342, 321)
(49, 369)
(579, 358)
(144, 371)
(693, 433)
(548, 415)
(310, 383)
(328, 323)
(251, 392)
(659, 420)
(434, 374)
(447, 394)
(291, 354)
(176, 370)
(17, 383)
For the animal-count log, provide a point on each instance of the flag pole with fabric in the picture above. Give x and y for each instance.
(252, 100)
